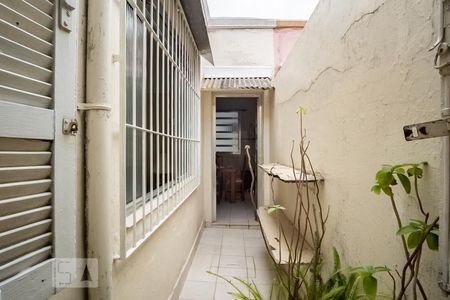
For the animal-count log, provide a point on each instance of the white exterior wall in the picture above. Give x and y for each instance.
(242, 47)
(362, 70)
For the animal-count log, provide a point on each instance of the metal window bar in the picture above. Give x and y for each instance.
(175, 65)
(134, 131)
(144, 125)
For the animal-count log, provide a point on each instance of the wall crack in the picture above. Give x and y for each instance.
(317, 78)
(362, 17)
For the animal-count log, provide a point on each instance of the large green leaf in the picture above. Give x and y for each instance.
(335, 293)
(337, 260)
(405, 230)
(387, 190)
(414, 239)
(376, 189)
(433, 241)
(404, 180)
(275, 208)
(370, 286)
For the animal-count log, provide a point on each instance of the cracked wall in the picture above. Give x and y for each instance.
(362, 70)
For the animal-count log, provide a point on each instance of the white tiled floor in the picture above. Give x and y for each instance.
(229, 252)
(239, 213)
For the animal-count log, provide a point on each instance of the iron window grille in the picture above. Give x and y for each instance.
(162, 122)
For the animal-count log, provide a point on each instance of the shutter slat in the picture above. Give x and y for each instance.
(21, 36)
(18, 66)
(17, 189)
(15, 174)
(43, 5)
(24, 262)
(13, 144)
(27, 54)
(24, 218)
(25, 83)
(21, 158)
(19, 204)
(10, 94)
(30, 11)
(10, 15)
(17, 235)
(15, 251)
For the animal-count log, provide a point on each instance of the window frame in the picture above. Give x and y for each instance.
(179, 143)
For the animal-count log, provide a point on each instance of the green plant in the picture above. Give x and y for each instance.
(417, 232)
(298, 280)
(352, 283)
(238, 294)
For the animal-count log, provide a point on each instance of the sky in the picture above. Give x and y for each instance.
(266, 9)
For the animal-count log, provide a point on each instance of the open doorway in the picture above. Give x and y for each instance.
(236, 127)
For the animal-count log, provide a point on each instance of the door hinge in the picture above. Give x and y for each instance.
(70, 126)
(66, 8)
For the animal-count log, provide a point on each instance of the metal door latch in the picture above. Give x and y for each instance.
(427, 130)
(66, 8)
(70, 126)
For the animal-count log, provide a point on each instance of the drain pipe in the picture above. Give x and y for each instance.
(444, 223)
(440, 128)
(444, 68)
(98, 144)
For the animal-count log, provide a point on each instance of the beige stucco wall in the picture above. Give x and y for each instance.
(362, 70)
(242, 47)
(152, 271)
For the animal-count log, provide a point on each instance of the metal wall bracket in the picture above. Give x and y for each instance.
(66, 8)
(70, 126)
(427, 130)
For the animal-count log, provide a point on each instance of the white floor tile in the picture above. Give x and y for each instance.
(208, 249)
(197, 290)
(213, 241)
(254, 242)
(233, 242)
(263, 277)
(252, 233)
(256, 251)
(200, 274)
(259, 263)
(233, 272)
(232, 261)
(233, 250)
(222, 291)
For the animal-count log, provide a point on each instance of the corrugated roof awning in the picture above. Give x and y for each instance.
(247, 83)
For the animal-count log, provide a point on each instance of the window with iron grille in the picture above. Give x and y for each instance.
(162, 115)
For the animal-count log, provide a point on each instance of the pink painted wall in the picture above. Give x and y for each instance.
(284, 41)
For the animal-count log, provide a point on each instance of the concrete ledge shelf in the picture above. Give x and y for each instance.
(286, 174)
(270, 226)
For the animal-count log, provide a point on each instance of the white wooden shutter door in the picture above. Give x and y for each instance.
(30, 143)
(228, 132)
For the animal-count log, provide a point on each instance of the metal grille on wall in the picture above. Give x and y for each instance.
(162, 116)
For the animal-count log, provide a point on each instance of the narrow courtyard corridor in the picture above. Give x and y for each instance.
(239, 213)
(228, 252)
